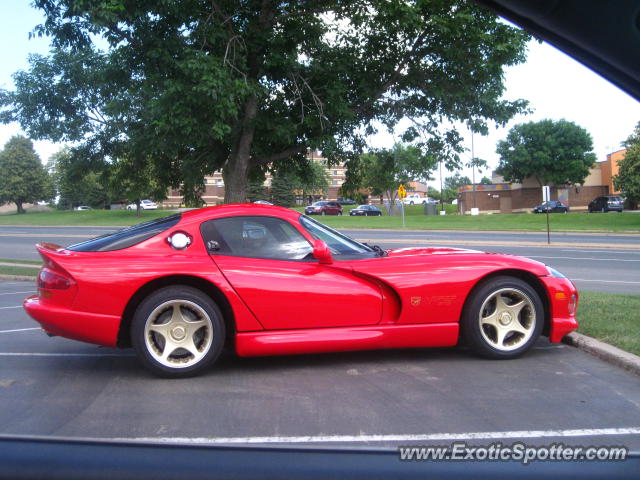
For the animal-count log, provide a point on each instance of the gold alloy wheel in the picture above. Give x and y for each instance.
(178, 333)
(507, 319)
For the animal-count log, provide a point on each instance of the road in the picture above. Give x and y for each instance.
(556, 393)
(614, 270)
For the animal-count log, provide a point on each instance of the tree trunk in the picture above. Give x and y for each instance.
(394, 211)
(20, 207)
(236, 172)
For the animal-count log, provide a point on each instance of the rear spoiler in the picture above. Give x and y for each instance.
(51, 253)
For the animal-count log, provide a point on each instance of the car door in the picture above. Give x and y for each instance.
(269, 264)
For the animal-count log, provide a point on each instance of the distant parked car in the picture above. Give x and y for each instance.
(324, 207)
(346, 201)
(83, 207)
(263, 202)
(552, 206)
(415, 198)
(144, 205)
(606, 203)
(368, 210)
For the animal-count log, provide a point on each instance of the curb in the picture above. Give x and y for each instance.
(604, 351)
(21, 278)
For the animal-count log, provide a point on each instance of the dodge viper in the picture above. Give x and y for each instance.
(266, 280)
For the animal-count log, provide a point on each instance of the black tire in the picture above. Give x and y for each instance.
(479, 336)
(192, 306)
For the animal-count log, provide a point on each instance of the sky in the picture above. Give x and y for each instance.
(555, 85)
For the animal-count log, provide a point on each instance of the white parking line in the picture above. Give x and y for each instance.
(8, 308)
(38, 354)
(586, 250)
(20, 330)
(16, 293)
(586, 258)
(587, 432)
(603, 281)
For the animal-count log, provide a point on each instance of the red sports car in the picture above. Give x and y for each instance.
(267, 280)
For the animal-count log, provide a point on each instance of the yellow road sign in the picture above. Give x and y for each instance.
(402, 192)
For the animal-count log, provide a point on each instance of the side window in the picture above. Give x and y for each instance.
(254, 237)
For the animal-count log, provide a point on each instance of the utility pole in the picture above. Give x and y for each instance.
(441, 191)
(473, 170)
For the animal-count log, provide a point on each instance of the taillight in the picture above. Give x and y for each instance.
(52, 281)
(572, 304)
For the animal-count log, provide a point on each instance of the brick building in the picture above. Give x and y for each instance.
(501, 197)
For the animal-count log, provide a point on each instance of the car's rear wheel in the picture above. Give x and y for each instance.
(503, 319)
(177, 331)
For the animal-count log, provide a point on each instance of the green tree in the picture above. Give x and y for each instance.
(628, 178)
(23, 179)
(451, 185)
(282, 186)
(200, 85)
(257, 191)
(312, 179)
(551, 152)
(384, 170)
(136, 181)
(74, 184)
(485, 181)
(456, 181)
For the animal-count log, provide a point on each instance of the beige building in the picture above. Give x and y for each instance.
(214, 185)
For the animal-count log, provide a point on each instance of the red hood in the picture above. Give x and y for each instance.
(411, 251)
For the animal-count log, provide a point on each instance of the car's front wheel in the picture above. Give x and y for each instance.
(503, 318)
(177, 331)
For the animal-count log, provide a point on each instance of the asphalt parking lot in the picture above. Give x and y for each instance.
(54, 386)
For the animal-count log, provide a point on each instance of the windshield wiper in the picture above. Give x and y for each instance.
(379, 251)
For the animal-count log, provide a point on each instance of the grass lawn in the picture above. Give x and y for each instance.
(83, 217)
(13, 260)
(22, 271)
(414, 219)
(612, 318)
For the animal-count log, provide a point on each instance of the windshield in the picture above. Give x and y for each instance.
(338, 243)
